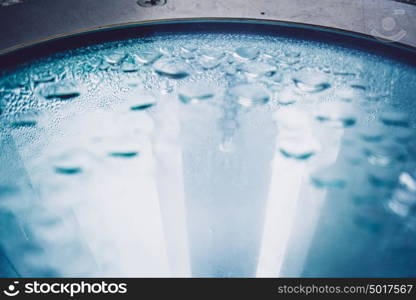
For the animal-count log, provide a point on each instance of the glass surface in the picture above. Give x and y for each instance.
(225, 155)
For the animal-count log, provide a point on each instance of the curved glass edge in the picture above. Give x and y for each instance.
(14, 56)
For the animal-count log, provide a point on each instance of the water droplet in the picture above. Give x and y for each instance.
(372, 132)
(138, 99)
(391, 118)
(347, 94)
(367, 224)
(247, 52)
(26, 119)
(403, 135)
(134, 83)
(344, 73)
(171, 68)
(288, 60)
(300, 148)
(142, 106)
(311, 81)
(286, 97)
(68, 170)
(127, 145)
(43, 77)
(359, 85)
(290, 120)
(258, 69)
(330, 177)
(115, 58)
(64, 90)
(382, 177)
(124, 154)
(404, 197)
(212, 53)
(104, 66)
(229, 69)
(384, 155)
(292, 53)
(148, 57)
(397, 206)
(373, 97)
(209, 63)
(250, 94)
(336, 115)
(94, 62)
(407, 181)
(325, 69)
(129, 67)
(166, 87)
(195, 91)
(187, 53)
(354, 156)
(72, 162)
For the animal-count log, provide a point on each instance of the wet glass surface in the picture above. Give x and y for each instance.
(208, 155)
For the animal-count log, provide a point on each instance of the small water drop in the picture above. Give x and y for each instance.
(287, 61)
(229, 69)
(347, 94)
(68, 170)
(292, 53)
(287, 97)
(115, 58)
(187, 53)
(381, 177)
(354, 156)
(148, 57)
(195, 91)
(311, 81)
(138, 99)
(258, 69)
(336, 115)
(166, 87)
(248, 53)
(359, 85)
(299, 148)
(129, 67)
(408, 181)
(171, 68)
(403, 135)
(250, 94)
(372, 132)
(124, 154)
(384, 155)
(329, 177)
(212, 53)
(209, 63)
(373, 97)
(43, 77)
(64, 90)
(26, 119)
(392, 118)
(134, 83)
(142, 106)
